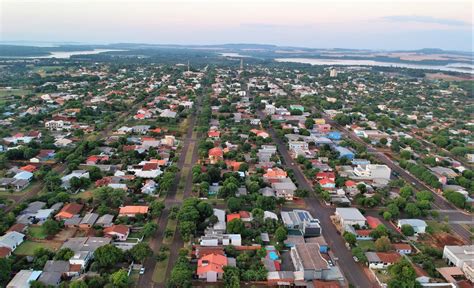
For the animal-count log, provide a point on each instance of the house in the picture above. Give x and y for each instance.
(94, 159)
(285, 189)
(373, 222)
(69, 211)
(403, 248)
(301, 221)
(373, 171)
(132, 211)
(327, 184)
(118, 232)
(105, 220)
(76, 173)
(88, 220)
(274, 174)
(216, 155)
(214, 134)
(23, 175)
(344, 152)
(219, 239)
(149, 187)
(309, 264)
(461, 257)
(418, 225)
(53, 270)
(43, 215)
(350, 216)
(43, 155)
(381, 260)
(11, 240)
(23, 279)
(211, 267)
(260, 133)
(220, 225)
(5, 252)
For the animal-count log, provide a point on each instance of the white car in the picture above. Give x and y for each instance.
(142, 271)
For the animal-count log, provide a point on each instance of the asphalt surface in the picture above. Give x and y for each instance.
(354, 272)
(155, 243)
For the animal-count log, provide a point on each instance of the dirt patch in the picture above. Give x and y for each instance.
(65, 234)
(442, 76)
(441, 239)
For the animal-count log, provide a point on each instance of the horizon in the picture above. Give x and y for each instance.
(373, 25)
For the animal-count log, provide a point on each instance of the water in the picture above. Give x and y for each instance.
(234, 55)
(453, 67)
(68, 54)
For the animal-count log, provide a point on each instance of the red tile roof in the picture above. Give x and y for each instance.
(119, 229)
(389, 257)
(69, 210)
(373, 222)
(211, 262)
(5, 252)
(216, 152)
(231, 217)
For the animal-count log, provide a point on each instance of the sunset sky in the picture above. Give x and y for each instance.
(381, 24)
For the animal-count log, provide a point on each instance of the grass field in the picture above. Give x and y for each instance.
(28, 248)
(159, 274)
(366, 245)
(14, 92)
(37, 232)
(172, 226)
(182, 183)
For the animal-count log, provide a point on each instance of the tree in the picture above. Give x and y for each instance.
(156, 207)
(149, 229)
(456, 198)
(412, 210)
(120, 279)
(407, 230)
(402, 275)
(231, 277)
(350, 238)
(5, 271)
(281, 234)
(95, 173)
(406, 191)
(379, 231)
(51, 227)
(110, 197)
(140, 251)
(181, 274)
(405, 154)
(64, 254)
(383, 244)
(236, 226)
(359, 254)
(394, 210)
(78, 284)
(234, 204)
(107, 256)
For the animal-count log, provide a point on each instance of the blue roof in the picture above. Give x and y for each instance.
(24, 175)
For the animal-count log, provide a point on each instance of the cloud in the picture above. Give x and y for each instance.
(426, 19)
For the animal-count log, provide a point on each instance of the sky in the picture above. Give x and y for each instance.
(357, 24)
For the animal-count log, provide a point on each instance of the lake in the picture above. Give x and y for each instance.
(453, 67)
(68, 54)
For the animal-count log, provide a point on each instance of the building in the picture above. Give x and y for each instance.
(211, 267)
(381, 260)
(105, 220)
(118, 232)
(220, 225)
(76, 173)
(23, 279)
(418, 225)
(285, 189)
(132, 211)
(11, 240)
(309, 264)
(333, 73)
(403, 248)
(88, 220)
(461, 257)
(373, 171)
(350, 217)
(221, 239)
(344, 152)
(301, 221)
(69, 211)
(216, 155)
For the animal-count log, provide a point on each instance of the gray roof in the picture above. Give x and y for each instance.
(86, 243)
(56, 266)
(33, 207)
(50, 278)
(350, 214)
(105, 219)
(89, 218)
(23, 277)
(11, 239)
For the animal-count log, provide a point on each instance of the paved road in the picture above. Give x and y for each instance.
(439, 202)
(353, 271)
(146, 280)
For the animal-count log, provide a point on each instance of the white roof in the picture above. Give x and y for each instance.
(350, 214)
(23, 278)
(11, 239)
(412, 222)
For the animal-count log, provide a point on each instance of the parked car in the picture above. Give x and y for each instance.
(142, 270)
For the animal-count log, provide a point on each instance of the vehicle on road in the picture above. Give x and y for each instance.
(142, 270)
(355, 259)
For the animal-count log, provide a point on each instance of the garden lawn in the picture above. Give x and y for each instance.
(28, 248)
(159, 273)
(37, 232)
(366, 245)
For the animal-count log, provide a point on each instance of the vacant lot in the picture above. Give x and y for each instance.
(28, 248)
(37, 232)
